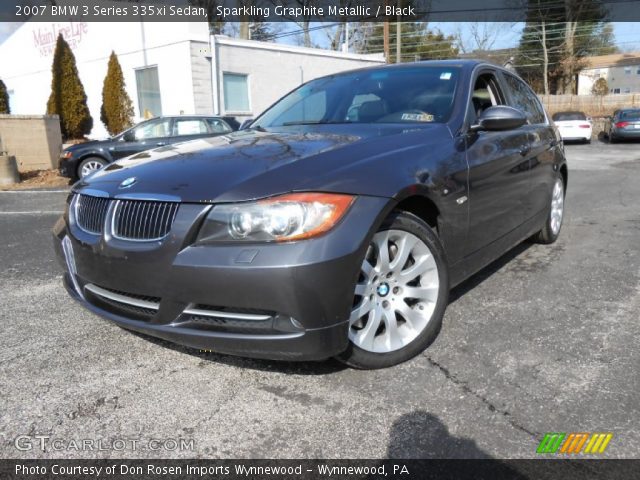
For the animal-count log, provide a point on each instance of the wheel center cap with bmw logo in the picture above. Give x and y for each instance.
(383, 289)
(128, 182)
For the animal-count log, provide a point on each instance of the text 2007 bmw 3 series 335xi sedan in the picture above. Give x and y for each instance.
(334, 225)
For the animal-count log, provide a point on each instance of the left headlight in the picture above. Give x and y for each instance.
(293, 216)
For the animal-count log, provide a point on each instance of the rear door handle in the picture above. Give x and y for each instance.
(525, 149)
(161, 144)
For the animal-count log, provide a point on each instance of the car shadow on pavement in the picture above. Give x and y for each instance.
(287, 367)
(479, 277)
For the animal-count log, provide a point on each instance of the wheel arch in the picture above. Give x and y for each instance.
(565, 175)
(419, 204)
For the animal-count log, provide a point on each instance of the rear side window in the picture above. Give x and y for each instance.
(218, 126)
(189, 127)
(524, 99)
(630, 115)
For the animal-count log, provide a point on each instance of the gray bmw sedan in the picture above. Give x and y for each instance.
(334, 225)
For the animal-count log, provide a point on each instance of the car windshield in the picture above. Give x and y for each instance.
(566, 116)
(630, 115)
(417, 94)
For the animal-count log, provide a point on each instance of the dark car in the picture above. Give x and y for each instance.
(82, 159)
(335, 225)
(624, 124)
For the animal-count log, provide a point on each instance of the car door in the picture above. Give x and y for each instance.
(542, 142)
(498, 169)
(145, 136)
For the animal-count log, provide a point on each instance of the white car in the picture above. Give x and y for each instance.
(574, 126)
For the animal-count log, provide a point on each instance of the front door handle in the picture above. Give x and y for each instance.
(161, 144)
(525, 149)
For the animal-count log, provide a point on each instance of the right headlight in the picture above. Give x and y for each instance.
(293, 216)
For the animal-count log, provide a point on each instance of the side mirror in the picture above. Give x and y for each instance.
(245, 124)
(500, 117)
(128, 136)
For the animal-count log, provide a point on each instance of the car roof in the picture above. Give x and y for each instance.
(467, 64)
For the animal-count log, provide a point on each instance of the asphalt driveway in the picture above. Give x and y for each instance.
(543, 340)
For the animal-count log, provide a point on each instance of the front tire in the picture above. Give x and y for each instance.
(400, 296)
(90, 165)
(551, 230)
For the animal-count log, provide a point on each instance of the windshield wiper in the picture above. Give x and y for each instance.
(314, 122)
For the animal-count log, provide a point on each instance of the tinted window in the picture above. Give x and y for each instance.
(630, 115)
(524, 99)
(393, 95)
(566, 116)
(152, 129)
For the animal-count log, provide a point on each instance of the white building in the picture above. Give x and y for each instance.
(169, 68)
(620, 70)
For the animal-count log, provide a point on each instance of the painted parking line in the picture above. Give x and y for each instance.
(34, 191)
(35, 212)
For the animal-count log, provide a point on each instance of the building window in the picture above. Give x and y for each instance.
(638, 71)
(236, 92)
(12, 101)
(627, 70)
(626, 90)
(616, 90)
(149, 100)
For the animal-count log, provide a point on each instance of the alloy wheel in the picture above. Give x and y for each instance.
(396, 293)
(557, 206)
(90, 167)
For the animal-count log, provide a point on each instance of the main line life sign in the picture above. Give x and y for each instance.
(45, 35)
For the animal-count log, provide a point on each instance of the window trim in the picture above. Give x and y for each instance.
(237, 112)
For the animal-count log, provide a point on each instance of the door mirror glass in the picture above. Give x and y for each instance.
(500, 117)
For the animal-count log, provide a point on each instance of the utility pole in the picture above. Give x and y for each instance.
(385, 35)
(346, 37)
(399, 34)
(398, 40)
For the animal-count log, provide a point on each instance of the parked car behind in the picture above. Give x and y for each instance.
(82, 159)
(573, 126)
(335, 225)
(624, 124)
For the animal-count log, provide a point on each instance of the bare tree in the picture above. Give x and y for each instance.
(479, 36)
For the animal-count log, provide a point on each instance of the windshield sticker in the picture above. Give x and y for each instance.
(445, 76)
(417, 117)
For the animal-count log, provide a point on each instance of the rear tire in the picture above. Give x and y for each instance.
(553, 224)
(400, 297)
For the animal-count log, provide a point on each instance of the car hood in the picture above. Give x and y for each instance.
(89, 144)
(252, 164)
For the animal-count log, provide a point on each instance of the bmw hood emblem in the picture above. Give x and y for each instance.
(128, 182)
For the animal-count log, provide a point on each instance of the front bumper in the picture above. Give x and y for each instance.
(67, 167)
(287, 301)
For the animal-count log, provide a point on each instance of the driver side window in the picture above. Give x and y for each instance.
(486, 93)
